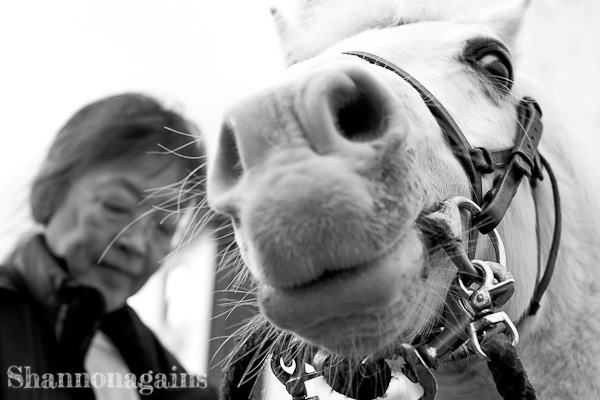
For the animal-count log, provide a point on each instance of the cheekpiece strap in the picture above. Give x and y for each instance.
(524, 162)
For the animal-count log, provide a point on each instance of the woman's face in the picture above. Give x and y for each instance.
(109, 229)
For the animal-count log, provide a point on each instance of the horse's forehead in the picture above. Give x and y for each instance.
(313, 26)
(416, 42)
(313, 12)
(443, 32)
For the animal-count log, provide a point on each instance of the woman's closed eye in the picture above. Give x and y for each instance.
(115, 209)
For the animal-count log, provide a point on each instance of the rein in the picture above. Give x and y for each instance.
(474, 323)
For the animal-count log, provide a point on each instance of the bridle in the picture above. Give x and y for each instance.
(521, 160)
(487, 211)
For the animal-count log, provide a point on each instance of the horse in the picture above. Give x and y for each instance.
(332, 174)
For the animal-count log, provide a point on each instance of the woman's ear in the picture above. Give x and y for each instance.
(506, 19)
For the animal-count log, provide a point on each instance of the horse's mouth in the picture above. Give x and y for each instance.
(359, 297)
(333, 277)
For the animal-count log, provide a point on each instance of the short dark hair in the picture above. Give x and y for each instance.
(116, 127)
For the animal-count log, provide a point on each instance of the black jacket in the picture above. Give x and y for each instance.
(47, 321)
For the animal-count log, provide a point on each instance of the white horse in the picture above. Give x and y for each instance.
(328, 173)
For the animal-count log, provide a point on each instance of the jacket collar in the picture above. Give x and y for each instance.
(74, 310)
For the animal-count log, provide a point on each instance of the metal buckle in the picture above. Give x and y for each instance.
(487, 322)
(496, 289)
(525, 162)
(482, 300)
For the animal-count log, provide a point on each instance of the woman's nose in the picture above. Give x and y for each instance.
(135, 238)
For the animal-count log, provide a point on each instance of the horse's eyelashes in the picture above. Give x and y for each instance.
(497, 70)
(491, 58)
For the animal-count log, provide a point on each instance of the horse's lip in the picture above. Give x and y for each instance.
(337, 274)
(332, 276)
(329, 277)
(340, 274)
(369, 293)
(336, 277)
(337, 282)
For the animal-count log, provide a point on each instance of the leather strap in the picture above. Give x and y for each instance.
(457, 141)
(524, 161)
(460, 146)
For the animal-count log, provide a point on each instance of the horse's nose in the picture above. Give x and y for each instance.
(341, 109)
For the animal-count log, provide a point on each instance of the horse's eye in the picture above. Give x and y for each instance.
(497, 68)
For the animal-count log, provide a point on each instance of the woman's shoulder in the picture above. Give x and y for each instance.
(16, 308)
(19, 316)
(10, 288)
(22, 330)
(12, 285)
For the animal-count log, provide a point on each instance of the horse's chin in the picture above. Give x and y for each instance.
(354, 311)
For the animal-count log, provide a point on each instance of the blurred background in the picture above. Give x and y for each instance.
(193, 55)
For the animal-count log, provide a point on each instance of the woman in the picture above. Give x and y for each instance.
(107, 199)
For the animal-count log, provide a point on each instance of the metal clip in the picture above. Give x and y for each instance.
(496, 289)
(487, 322)
(467, 204)
(470, 313)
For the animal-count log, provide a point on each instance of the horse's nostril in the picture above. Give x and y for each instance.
(230, 164)
(361, 117)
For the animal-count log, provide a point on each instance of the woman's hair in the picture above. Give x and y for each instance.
(118, 127)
